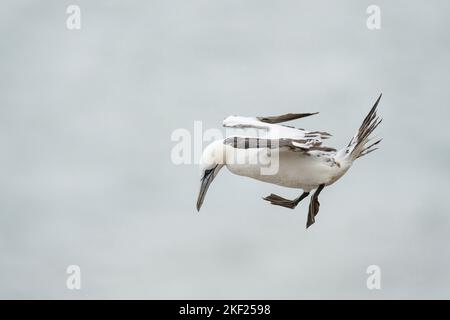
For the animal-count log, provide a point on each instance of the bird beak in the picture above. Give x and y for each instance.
(205, 182)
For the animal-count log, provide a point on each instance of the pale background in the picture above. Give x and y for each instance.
(86, 176)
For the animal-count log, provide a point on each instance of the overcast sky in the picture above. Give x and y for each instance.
(87, 179)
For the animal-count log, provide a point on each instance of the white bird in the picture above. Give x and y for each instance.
(301, 161)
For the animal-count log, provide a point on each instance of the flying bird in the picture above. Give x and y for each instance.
(302, 161)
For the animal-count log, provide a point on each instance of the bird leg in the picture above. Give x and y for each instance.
(280, 201)
(314, 206)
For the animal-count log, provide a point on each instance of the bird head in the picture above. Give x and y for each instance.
(211, 162)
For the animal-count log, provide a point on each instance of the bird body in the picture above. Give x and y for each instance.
(285, 156)
(296, 170)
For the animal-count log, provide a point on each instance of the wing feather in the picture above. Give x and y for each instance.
(275, 134)
(301, 145)
(285, 117)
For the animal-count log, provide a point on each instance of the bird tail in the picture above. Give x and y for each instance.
(359, 145)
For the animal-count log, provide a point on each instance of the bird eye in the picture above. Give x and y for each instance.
(208, 172)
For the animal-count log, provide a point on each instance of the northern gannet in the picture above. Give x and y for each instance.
(302, 161)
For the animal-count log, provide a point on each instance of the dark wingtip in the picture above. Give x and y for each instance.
(285, 117)
(376, 102)
(379, 97)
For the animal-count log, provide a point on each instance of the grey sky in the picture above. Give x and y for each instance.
(86, 176)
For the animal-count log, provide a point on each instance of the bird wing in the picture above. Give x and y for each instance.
(298, 145)
(276, 135)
